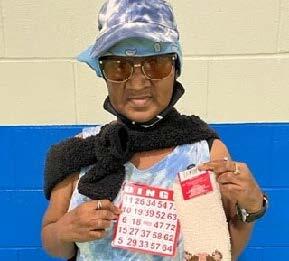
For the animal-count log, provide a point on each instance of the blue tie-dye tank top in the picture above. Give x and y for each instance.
(162, 174)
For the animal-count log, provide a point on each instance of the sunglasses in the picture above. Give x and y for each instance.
(120, 69)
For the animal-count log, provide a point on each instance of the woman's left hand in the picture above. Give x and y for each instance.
(236, 183)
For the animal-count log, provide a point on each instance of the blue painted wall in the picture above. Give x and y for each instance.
(265, 147)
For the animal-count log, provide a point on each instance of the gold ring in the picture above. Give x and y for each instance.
(99, 205)
(237, 171)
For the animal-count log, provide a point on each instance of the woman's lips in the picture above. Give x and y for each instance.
(139, 101)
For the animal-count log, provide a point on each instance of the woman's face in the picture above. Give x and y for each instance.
(141, 99)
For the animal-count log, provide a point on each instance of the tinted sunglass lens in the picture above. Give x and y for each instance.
(158, 68)
(116, 70)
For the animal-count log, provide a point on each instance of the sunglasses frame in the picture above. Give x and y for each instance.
(133, 65)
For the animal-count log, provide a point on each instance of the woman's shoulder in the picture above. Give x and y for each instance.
(218, 150)
(60, 199)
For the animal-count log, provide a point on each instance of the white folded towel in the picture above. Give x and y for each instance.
(203, 222)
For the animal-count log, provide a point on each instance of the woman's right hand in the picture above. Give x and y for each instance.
(86, 222)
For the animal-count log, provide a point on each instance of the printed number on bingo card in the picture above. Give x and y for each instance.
(148, 222)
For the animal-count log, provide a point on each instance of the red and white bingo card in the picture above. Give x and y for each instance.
(148, 222)
(195, 183)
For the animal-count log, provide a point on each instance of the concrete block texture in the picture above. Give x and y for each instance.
(36, 93)
(211, 27)
(194, 81)
(2, 45)
(284, 26)
(222, 43)
(49, 28)
(250, 90)
(90, 94)
(63, 28)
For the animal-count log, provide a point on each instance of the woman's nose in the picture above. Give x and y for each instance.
(137, 79)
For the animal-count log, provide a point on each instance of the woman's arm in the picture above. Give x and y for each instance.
(58, 206)
(86, 222)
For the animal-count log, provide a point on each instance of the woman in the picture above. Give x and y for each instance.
(149, 149)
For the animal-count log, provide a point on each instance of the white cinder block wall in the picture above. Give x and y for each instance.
(236, 61)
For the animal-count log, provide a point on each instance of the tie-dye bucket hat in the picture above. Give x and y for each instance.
(124, 19)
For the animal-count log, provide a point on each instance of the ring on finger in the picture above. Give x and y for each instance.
(236, 171)
(99, 205)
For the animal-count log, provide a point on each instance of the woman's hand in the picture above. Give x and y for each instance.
(236, 183)
(87, 222)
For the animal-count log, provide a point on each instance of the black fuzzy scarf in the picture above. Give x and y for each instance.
(115, 144)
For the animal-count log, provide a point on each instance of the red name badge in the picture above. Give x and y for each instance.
(148, 222)
(195, 183)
